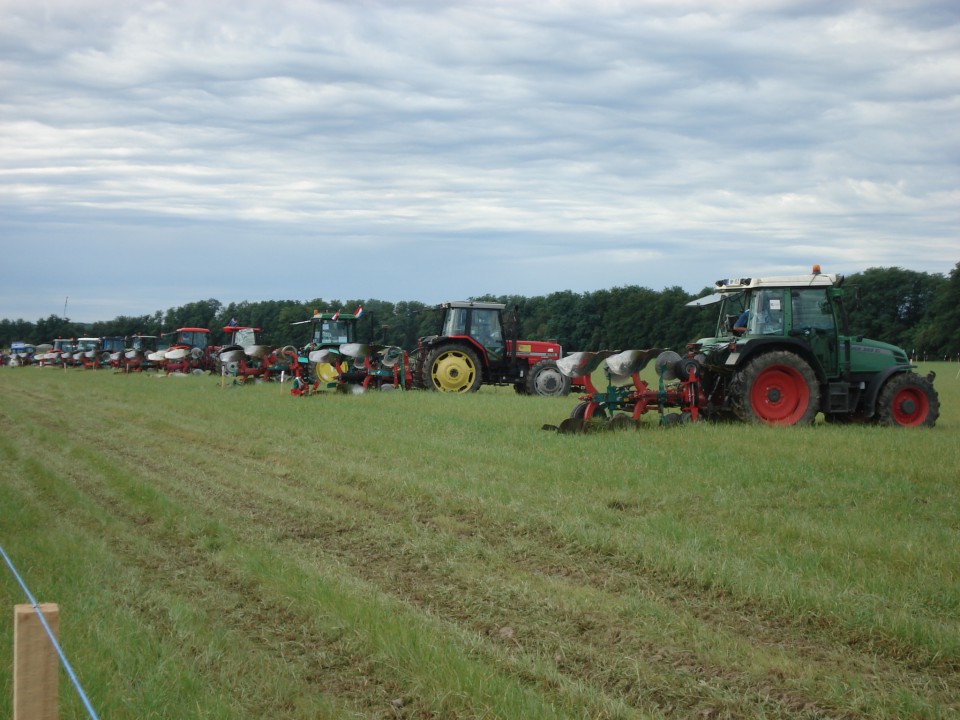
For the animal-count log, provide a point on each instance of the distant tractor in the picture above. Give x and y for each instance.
(189, 351)
(319, 362)
(58, 353)
(21, 354)
(87, 353)
(143, 352)
(792, 358)
(245, 356)
(112, 349)
(471, 350)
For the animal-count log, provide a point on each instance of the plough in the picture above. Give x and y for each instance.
(626, 396)
(357, 367)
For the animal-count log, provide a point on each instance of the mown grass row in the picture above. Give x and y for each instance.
(235, 552)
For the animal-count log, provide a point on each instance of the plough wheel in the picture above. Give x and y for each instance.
(452, 368)
(581, 408)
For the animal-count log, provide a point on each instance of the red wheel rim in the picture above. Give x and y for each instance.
(910, 406)
(779, 395)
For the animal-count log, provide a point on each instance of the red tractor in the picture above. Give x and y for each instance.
(189, 352)
(471, 350)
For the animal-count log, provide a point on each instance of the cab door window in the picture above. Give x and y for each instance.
(766, 313)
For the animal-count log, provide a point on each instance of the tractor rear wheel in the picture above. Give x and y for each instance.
(777, 388)
(546, 379)
(908, 400)
(452, 368)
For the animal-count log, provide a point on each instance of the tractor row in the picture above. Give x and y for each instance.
(782, 353)
(471, 348)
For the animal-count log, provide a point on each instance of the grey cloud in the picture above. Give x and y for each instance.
(476, 147)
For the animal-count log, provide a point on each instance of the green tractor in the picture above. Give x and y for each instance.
(783, 352)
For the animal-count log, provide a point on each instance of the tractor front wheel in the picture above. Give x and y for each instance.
(777, 388)
(546, 379)
(326, 373)
(908, 400)
(452, 368)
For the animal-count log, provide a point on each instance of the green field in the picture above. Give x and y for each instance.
(234, 552)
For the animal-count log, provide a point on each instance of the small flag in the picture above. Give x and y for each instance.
(359, 311)
(336, 315)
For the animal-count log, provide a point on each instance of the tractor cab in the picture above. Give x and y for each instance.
(113, 344)
(479, 322)
(333, 329)
(88, 344)
(805, 311)
(240, 336)
(189, 337)
(145, 344)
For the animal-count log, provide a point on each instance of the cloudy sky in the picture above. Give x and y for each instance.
(156, 153)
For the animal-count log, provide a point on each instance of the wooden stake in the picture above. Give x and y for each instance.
(35, 677)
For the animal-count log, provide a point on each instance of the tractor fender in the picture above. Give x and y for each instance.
(758, 347)
(462, 340)
(876, 384)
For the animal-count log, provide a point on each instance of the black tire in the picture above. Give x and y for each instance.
(776, 388)
(579, 411)
(908, 400)
(452, 368)
(546, 380)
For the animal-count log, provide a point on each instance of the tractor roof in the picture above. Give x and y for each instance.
(735, 285)
(471, 304)
(813, 280)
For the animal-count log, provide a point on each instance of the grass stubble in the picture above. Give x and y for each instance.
(233, 552)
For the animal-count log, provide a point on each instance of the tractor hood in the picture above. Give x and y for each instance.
(873, 355)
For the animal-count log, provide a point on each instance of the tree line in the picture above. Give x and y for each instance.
(918, 311)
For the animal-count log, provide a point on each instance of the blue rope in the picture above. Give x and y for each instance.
(56, 645)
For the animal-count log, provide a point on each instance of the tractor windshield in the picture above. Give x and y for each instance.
(245, 337)
(455, 322)
(333, 332)
(143, 342)
(192, 338)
